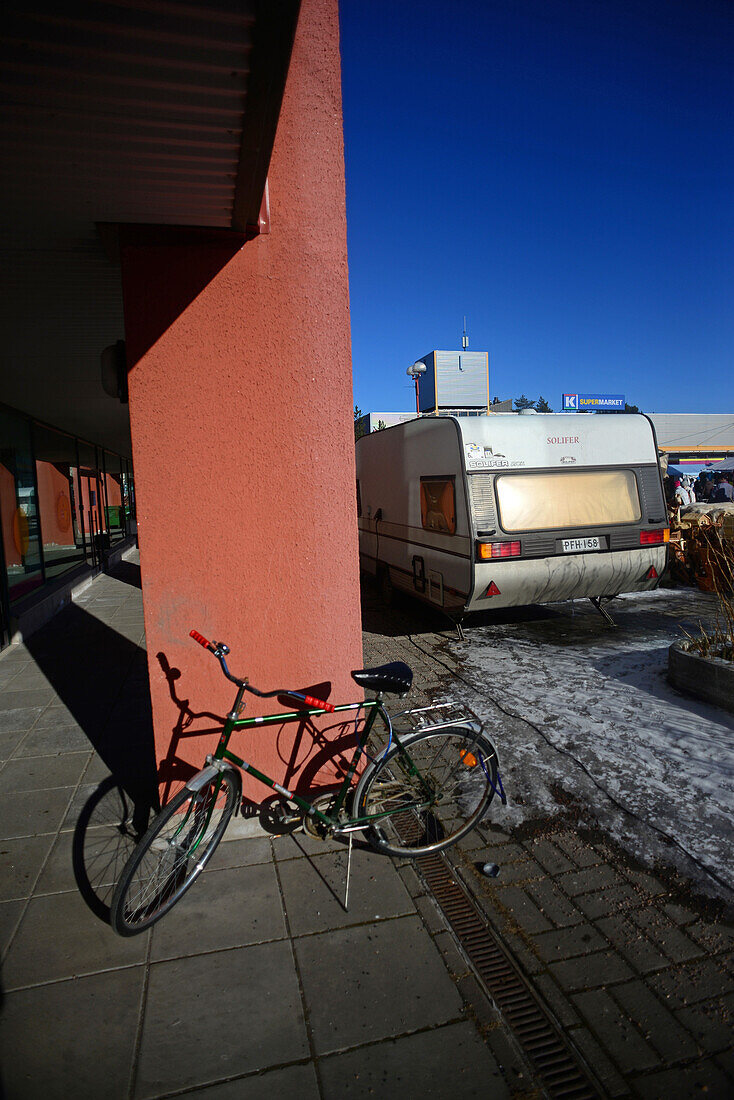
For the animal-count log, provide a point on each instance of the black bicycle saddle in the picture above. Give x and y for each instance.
(395, 677)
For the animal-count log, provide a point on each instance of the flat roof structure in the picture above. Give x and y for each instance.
(695, 434)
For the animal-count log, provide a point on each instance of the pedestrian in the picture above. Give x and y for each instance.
(723, 493)
(680, 496)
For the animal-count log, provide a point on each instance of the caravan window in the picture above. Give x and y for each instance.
(568, 498)
(438, 504)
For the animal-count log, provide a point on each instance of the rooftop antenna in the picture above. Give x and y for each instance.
(464, 338)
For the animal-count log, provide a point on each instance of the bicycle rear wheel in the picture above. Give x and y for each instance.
(428, 794)
(173, 853)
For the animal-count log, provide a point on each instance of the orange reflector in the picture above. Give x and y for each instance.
(468, 758)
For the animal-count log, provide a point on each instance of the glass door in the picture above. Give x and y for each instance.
(91, 503)
(114, 493)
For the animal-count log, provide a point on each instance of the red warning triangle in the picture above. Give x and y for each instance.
(493, 590)
(652, 574)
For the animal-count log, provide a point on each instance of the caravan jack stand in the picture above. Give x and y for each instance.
(456, 624)
(597, 602)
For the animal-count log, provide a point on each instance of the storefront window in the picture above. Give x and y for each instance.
(91, 503)
(62, 503)
(18, 507)
(58, 500)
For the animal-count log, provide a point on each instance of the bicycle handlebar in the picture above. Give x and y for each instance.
(219, 649)
(311, 702)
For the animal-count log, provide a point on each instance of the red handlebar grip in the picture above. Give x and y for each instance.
(320, 703)
(199, 638)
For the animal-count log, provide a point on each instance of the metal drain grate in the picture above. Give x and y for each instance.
(540, 1039)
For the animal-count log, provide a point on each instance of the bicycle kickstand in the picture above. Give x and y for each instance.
(349, 871)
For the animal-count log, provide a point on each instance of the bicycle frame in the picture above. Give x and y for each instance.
(373, 708)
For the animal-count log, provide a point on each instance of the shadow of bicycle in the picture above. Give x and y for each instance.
(105, 835)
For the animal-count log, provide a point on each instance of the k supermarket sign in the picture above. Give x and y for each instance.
(592, 402)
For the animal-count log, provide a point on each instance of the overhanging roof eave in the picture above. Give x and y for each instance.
(275, 30)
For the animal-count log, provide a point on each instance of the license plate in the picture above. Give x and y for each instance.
(578, 546)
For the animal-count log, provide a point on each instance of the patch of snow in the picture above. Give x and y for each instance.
(599, 721)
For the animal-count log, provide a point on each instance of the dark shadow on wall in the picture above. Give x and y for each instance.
(174, 770)
(129, 573)
(164, 269)
(312, 756)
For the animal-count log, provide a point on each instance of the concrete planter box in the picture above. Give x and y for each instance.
(708, 678)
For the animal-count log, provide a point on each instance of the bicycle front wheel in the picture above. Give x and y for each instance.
(426, 793)
(173, 853)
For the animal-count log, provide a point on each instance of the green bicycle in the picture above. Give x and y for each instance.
(423, 790)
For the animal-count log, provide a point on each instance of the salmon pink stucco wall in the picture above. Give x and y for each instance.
(242, 427)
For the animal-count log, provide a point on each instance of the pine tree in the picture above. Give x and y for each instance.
(359, 428)
(523, 402)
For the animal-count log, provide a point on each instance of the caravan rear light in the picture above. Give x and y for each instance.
(493, 550)
(650, 538)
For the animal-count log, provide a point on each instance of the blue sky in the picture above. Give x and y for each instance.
(559, 171)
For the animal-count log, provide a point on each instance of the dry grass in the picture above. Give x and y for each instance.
(718, 639)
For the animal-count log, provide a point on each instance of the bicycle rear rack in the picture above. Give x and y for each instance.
(436, 716)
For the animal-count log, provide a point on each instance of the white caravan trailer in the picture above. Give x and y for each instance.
(477, 513)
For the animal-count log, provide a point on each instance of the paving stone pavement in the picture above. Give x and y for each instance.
(259, 981)
(637, 970)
